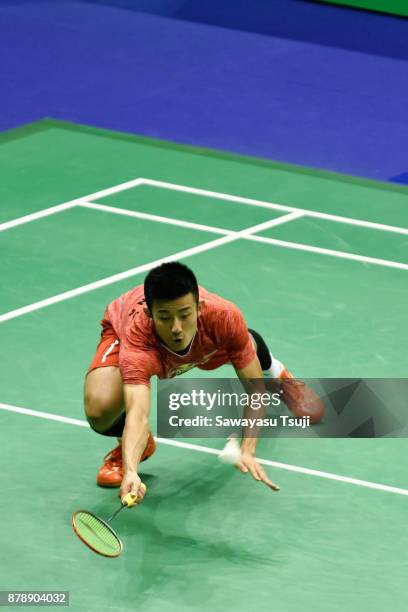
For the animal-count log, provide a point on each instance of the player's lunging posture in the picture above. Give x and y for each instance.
(165, 328)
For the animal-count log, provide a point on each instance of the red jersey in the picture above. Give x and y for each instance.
(222, 336)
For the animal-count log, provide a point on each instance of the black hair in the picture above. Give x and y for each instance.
(169, 282)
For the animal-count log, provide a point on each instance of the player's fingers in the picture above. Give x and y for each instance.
(254, 472)
(270, 484)
(258, 474)
(261, 476)
(242, 467)
(123, 491)
(252, 467)
(141, 492)
(267, 480)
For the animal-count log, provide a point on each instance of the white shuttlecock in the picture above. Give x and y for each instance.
(231, 453)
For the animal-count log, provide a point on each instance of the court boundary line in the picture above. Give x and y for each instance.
(212, 451)
(228, 236)
(387, 263)
(264, 239)
(45, 212)
(136, 214)
(273, 206)
(201, 192)
(205, 246)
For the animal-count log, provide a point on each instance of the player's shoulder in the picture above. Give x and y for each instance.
(217, 308)
(133, 297)
(139, 331)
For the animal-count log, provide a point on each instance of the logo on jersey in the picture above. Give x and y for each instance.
(185, 367)
(180, 370)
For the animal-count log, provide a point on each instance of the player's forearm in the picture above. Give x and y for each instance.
(136, 430)
(253, 413)
(134, 439)
(252, 379)
(248, 445)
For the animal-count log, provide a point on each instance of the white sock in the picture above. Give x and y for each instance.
(275, 370)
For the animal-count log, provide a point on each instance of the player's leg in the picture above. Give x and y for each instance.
(103, 399)
(298, 397)
(104, 407)
(270, 365)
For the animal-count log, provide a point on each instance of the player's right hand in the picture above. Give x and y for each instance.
(131, 483)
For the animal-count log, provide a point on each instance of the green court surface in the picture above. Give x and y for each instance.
(318, 264)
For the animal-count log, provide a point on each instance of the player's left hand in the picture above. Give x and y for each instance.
(249, 464)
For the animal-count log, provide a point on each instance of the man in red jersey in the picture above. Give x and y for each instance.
(164, 328)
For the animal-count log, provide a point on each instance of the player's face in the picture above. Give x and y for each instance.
(176, 321)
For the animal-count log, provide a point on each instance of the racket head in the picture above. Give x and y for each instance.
(96, 534)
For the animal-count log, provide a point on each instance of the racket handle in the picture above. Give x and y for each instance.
(130, 500)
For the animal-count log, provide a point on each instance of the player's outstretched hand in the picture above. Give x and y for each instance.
(131, 483)
(249, 464)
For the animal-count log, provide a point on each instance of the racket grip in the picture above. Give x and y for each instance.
(130, 500)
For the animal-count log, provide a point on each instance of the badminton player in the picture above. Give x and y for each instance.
(164, 328)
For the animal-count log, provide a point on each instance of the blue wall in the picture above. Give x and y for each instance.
(302, 20)
(322, 86)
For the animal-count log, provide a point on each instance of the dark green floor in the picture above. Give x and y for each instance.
(206, 536)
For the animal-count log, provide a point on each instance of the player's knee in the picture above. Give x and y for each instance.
(98, 407)
(98, 422)
(103, 395)
(94, 407)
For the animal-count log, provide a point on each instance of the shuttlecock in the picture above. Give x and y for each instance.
(231, 453)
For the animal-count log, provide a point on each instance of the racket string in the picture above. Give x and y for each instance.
(97, 534)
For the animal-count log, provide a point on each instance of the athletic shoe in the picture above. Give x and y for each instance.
(111, 472)
(299, 398)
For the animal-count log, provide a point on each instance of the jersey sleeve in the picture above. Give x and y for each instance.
(235, 338)
(137, 367)
(137, 363)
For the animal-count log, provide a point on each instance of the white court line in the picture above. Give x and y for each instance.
(44, 415)
(281, 243)
(213, 451)
(158, 218)
(330, 252)
(66, 205)
(203, 192)
(228, 237)
(207, 246)
(46, 212)
(260, 203)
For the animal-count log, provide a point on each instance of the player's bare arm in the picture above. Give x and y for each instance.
(248, 462)
(135, 435)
